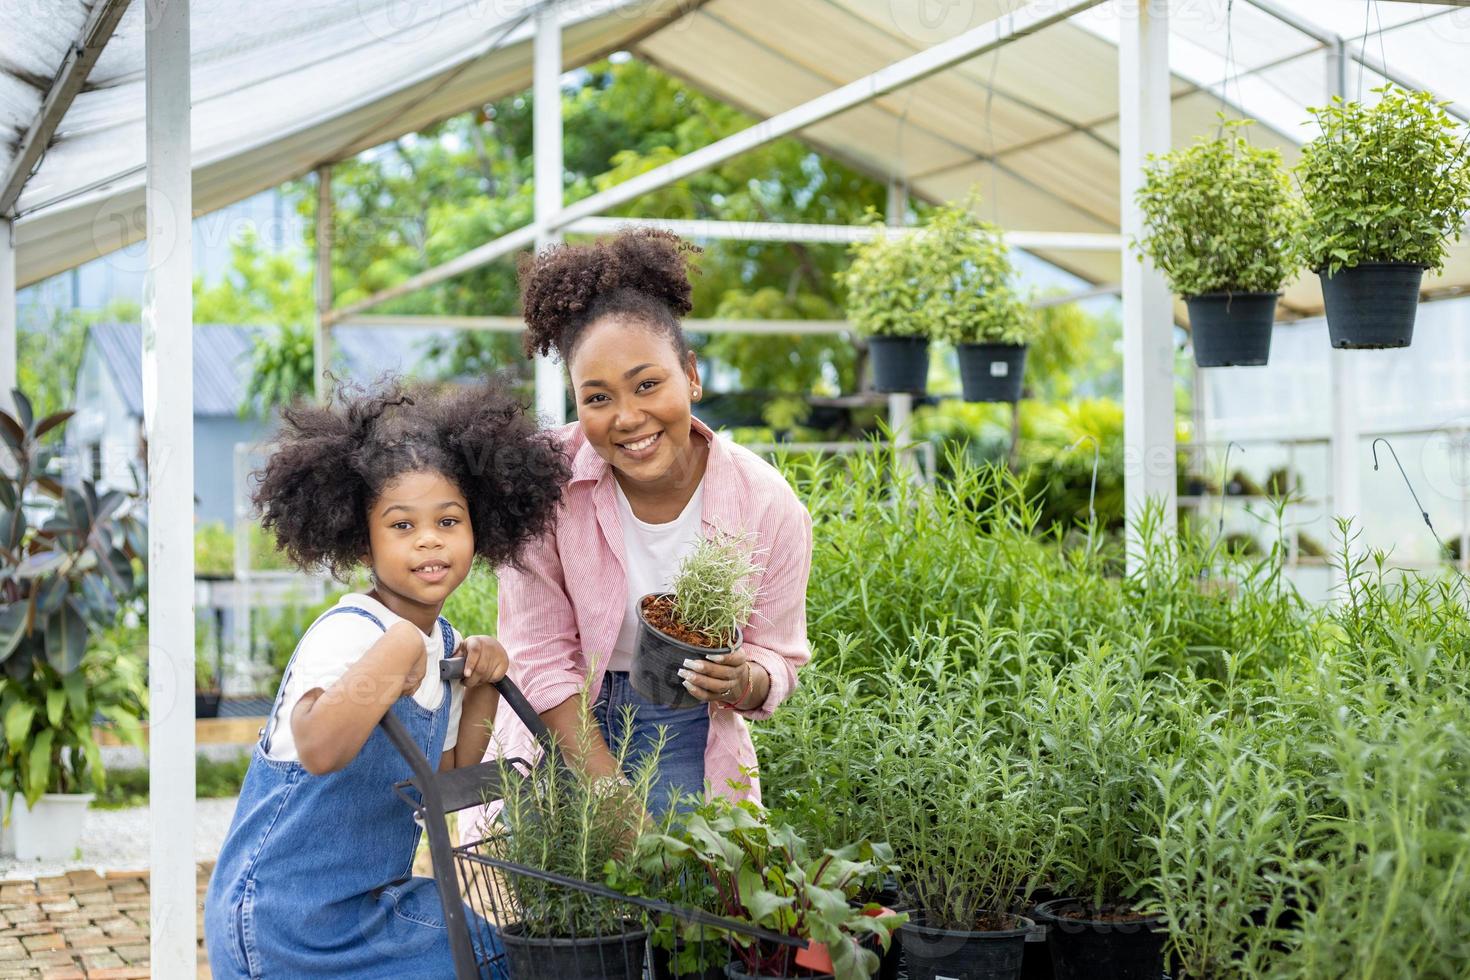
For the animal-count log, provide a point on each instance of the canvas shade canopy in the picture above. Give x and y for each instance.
(1033, 125)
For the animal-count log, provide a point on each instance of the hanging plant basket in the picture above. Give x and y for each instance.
(900, 364)
(1371, 306)
(1231, 329)
(992, 372)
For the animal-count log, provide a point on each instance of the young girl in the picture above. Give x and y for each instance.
(315, 877)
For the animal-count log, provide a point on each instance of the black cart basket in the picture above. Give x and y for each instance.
(492, 943)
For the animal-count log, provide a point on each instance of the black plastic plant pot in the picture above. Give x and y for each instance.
(900, 364)
(660, 967)
(1231, 329)
(736, 971)
(1101, 949)
(1372, 306)
(933, 954)
(615, 957)
(206, 704)
(658, 659)
(992, 372)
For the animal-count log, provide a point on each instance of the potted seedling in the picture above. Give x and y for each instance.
(581, 827)
(206, 691)
(973, 304)
(969, 829)
(887, 288)
(766, 875)
(1386, 188)
(1096, 728)
(66, 560)
(709, 601)
(1219, 224)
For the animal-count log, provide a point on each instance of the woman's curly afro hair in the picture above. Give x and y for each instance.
(332, 462)
(642, 275)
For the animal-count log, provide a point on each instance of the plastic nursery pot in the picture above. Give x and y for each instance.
(1371, 306)
(658, 659)
(736, 971)
(206, 704)
(1231, 329)
(660, 968)
(817, 957)
(1101, 948)
(992, 372)
(931, 954)
(900, 364)
(614, 957)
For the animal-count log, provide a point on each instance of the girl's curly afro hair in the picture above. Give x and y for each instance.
(642, 275)
(332, 461)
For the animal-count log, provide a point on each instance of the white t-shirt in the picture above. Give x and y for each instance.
(339, 641)
(653, 553)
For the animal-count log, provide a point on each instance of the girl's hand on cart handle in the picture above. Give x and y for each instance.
(485, 660)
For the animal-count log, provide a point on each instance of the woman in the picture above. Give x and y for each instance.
(648, 482)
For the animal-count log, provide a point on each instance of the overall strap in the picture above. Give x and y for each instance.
(270, 724)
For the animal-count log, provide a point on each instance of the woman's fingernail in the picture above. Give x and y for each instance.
(718, 658)
(692, 664)
(689, 687)
(684, 674)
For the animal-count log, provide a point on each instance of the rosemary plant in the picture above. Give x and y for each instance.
(711, 596)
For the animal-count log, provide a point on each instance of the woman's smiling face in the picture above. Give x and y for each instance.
(633, 394)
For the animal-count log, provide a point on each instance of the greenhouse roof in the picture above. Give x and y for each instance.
(1033, 125)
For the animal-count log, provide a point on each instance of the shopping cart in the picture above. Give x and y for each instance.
(501, 893)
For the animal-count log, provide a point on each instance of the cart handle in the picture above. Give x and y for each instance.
(452, 669)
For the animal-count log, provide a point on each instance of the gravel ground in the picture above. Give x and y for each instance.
(117, 840)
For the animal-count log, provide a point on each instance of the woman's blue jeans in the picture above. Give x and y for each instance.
(623, 715)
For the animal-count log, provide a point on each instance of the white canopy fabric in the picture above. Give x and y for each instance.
(281, 86)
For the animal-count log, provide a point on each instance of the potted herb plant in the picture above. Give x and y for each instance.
(1097, 729)
(703, 612)
(971, 831)
(66, 559)
(887, 287)
(206, 691)
(566, 823)
(1219, 220)
(767, 876)
(973, 304)
(1386, 188)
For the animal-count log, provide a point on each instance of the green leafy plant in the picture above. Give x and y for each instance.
(972, 299)
(888, 285)
(767, 875)
(48, 745)
(1219, 216)
(281, 368)
(711, 594)
(966, 813)
(1383, 183)
(570, 824)
(66, 551)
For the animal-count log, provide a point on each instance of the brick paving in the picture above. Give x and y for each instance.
(81, 926)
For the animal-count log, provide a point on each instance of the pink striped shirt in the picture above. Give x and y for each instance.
(560, 615)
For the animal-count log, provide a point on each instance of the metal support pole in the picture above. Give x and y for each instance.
(551, 399)
(321, 349)
(1344, 438)
(9, 315)
(168, 418)
(1150, 464)
(900, 404)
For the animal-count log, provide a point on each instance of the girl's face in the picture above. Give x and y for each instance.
(422, 544)
(633, 394)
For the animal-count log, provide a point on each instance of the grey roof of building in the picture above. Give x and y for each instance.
(222, 359)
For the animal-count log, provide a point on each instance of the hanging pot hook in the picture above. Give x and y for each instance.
(1443, 551)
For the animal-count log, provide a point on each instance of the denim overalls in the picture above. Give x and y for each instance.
(315, 875)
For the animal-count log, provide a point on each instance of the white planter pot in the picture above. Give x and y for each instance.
(51, 831)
